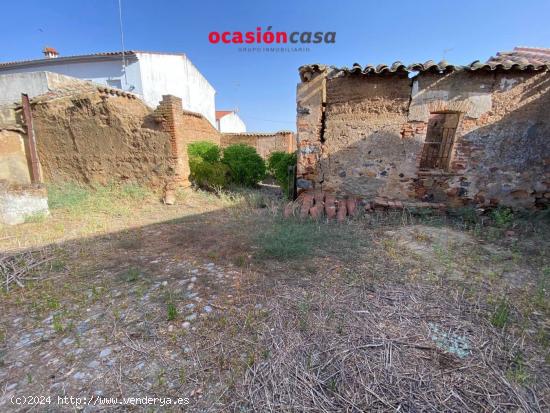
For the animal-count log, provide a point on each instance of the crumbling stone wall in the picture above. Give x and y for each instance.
(363, 135)
(501, 153)
(363, 151)
(264, 143)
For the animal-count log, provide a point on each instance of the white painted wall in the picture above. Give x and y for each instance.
(105, 72)
(176, 75)
(12, 85)
(31, 83)
(148, 75)
(231, 123)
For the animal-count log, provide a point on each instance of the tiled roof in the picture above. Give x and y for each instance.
(78, 87)
(523, 56)
(521, 63)
(221, 113)
(78, 57)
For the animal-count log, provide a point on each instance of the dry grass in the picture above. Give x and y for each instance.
(78, 212)
(369, 346)
(391, 311)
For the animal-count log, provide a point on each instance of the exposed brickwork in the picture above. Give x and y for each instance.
(169, 113)
(311, 100)
(184, 127)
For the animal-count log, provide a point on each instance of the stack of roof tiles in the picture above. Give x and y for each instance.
(521, 58)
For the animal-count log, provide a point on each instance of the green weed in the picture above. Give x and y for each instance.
(172, 311)
(112, 199)
(502, 216)
(501, 314)
(293, 239)
(58, 323)
(132, 275)
(35, 218)
(67, 196)
(516, 370)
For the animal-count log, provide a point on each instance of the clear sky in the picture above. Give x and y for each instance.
(262, 85)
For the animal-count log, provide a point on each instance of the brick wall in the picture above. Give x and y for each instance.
(197, 128)
(184, 128)
(363, 135)
(169, 114)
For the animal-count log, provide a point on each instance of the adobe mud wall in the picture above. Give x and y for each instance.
(264, 143)
(99, 138)
(14, 158)
(363, 135)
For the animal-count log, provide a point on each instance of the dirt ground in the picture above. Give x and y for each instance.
(220, 303)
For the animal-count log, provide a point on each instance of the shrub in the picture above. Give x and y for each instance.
(246, 166)
(207, 171)
(209, 175)
(207, 151)
(278, 164)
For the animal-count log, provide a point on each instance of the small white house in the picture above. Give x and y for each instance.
(229, 122)
(146, 74)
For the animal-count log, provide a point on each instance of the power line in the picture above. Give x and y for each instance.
(122, 42)
(270, 120)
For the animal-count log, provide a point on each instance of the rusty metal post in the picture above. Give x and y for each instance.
(35, 162)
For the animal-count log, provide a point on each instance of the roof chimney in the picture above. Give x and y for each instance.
(50, 53)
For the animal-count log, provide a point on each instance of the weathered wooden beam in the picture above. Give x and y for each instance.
(36, 174)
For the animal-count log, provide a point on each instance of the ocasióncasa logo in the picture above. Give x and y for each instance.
(269, 37)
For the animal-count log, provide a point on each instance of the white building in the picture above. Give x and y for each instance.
(148, 74)
(229, 122)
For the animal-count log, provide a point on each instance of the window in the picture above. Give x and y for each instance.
(436, 152)
(115, 83)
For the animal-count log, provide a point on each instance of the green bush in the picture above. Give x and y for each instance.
(207, 171)
(277, 165)
(207, 151)
(246, 166)
(209, 175)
